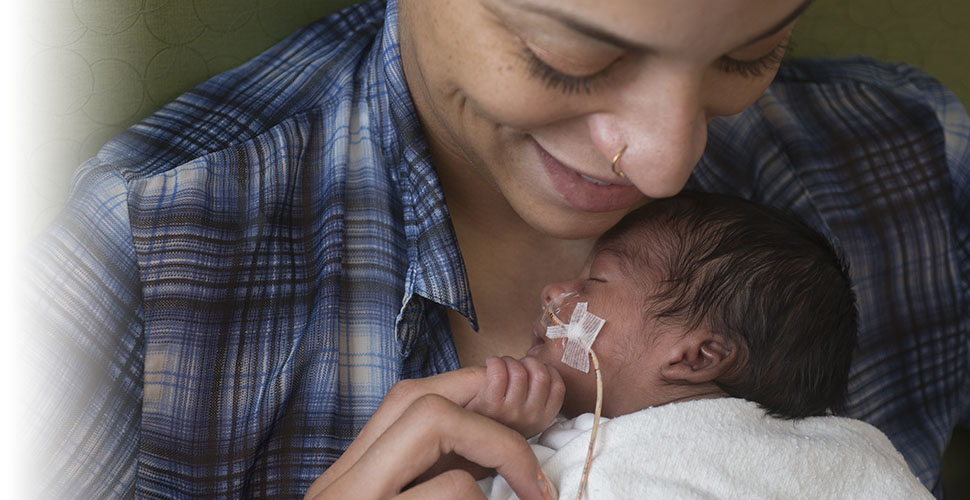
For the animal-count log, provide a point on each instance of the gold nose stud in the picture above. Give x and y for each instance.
(616, 159)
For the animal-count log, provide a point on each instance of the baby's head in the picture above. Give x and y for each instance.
(709, 296)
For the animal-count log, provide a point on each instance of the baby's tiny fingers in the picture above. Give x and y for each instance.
(518, 388)
(539, 382)
(498, 380)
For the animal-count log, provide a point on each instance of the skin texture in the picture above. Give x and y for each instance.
(509, 138)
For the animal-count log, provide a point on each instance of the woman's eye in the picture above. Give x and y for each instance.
(758, 67)
(566, 83)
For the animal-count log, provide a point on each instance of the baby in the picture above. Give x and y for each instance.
(710, 296)
(724, 332)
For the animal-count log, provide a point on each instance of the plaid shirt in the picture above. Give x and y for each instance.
(236, 281)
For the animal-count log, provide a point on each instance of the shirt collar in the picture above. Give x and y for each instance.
(436, 270)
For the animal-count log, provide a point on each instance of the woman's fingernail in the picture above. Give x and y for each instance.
(546, 488)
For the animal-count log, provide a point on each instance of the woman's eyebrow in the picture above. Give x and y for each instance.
(598, 33)
(581, 26)
(780, 24)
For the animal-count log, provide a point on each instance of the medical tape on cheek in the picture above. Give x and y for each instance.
(580, 332)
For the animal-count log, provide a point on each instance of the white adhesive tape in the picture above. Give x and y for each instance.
(580, 332)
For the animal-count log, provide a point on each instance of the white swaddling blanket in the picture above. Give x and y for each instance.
(721, 448)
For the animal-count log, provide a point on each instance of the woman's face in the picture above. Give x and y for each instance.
(534, 97)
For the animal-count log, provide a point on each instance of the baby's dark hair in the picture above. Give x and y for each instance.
(761, 278)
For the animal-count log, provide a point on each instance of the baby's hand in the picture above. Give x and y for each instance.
(525, 395)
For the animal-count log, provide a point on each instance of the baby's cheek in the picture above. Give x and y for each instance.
(550, 352)
(577, 402)
(580, 390)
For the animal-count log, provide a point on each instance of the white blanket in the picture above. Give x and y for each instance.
(721, 448)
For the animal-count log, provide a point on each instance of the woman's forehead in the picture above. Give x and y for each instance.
(654, 25)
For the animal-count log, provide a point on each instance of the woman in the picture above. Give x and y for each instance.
(237, 281)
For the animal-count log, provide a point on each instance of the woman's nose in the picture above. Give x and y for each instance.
(663, 125)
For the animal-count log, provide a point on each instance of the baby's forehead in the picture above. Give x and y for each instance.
(634, 248)
(642, 256)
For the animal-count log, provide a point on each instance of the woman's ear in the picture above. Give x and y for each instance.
(699, 357)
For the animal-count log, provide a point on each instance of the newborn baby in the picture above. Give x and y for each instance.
(728, 337)
(724, 332)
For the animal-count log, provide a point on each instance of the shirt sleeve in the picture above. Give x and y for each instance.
(84, 345)
(956, 126)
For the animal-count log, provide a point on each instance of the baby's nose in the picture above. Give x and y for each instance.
(554, 291)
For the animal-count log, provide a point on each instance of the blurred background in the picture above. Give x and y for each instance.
(90, 68)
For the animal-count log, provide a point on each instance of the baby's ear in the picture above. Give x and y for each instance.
(699, 357)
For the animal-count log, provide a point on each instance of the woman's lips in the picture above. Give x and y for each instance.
(586, 193)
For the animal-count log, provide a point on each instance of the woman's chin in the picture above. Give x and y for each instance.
(568, 224)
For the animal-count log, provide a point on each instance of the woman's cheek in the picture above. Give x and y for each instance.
(515, 99)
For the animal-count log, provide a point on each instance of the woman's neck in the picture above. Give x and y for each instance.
(508, 262)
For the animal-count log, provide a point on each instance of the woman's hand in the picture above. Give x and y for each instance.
(523, 394)
(432, 426)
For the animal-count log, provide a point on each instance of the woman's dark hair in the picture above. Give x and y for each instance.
(760, 277)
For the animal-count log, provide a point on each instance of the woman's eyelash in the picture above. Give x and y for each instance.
(756, 68)
(554, 79)
(569, 84)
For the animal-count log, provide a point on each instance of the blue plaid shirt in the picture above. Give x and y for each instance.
(236, 281)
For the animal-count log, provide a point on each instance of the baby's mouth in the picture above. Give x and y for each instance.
(537, 339)
(538, 334)
(537, 343)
